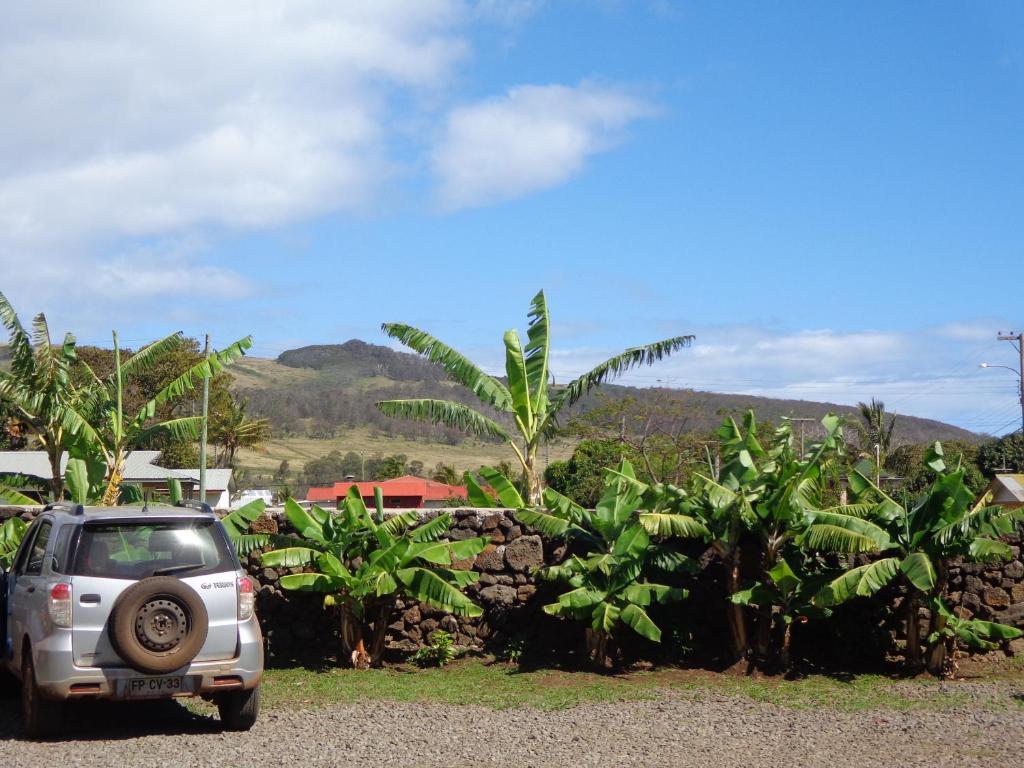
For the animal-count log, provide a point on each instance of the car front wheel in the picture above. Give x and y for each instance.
(239, 709)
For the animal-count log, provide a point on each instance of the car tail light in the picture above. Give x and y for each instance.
(60, 604)
(246, 597)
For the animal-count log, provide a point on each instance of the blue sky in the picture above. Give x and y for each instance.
(828, 195)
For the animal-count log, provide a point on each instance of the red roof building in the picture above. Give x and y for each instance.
(406, 492)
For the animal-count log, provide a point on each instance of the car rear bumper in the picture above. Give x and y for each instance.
(58, 677)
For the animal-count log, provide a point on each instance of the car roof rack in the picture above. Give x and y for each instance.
(65, 506)
(201, 506)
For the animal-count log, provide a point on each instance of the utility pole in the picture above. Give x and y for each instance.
(801, 422)
(202, 439)
(1017, 339)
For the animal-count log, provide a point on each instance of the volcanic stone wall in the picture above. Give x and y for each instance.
(293, 622)
(296, 626)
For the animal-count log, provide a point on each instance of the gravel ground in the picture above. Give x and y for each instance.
(676, 729)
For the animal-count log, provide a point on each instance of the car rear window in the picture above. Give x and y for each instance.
(136, 550)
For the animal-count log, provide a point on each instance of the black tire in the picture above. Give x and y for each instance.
(40, 717)
(239, 709)
(158, 625)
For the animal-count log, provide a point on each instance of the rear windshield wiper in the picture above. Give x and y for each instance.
(177, 568)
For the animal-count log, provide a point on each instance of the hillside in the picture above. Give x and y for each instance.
(321, 398)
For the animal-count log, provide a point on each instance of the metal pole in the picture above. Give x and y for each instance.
(1019, 340)
(202, 439)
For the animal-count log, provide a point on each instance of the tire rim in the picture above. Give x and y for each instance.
(161, 624)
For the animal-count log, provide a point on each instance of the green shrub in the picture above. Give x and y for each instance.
(439, 652)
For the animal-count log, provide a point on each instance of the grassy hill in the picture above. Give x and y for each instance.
(321, 398)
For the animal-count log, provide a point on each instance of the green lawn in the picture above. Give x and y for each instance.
(501, 686)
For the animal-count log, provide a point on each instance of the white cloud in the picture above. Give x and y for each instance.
(532, 138)
(145, 118)
(125, 123)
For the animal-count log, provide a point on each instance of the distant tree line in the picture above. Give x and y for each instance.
(651, 435)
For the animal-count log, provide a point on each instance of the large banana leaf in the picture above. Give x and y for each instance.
(834, 532)
(290, 557)
(149, 356)
(11, 496)
(633, 542)
(478, 497)
(303, 522)
(666, 524)
(428, 587)
(206, 368)
(515, 371)
(615, 366)
(505, 491)
(537, 351)
(466, 373)
(310, 582)
(547, 525)
(918, 569)
(450, 414)
(238, 521)
(862, 581)
(989, 550)
(11, 533)
(637, 619)
(432, 530)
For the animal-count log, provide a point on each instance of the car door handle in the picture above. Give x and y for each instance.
(30, 590)
(90, 600)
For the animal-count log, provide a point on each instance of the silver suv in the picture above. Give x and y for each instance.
(129, 603)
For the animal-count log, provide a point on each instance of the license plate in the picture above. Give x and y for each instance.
(148, 687)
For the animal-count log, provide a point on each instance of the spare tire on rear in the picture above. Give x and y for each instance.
(158, 625)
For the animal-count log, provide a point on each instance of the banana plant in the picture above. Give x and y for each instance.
(763, 493)
(624, 540)
(916, 544)
(39, 385)
(104, 432)
(11, 533)
(788, 591)
(525, 397)
(363, 563)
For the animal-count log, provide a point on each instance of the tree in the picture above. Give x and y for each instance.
(142, 385)
(105, 433)
(526, 399)
(916, 544)
(365, 563)
(653, 431)
(324, 471)
(1005, 454)
(444, 473)
(352, 465)
(875, 430)
(582, 477)
(234, 430)
(392, 466)
(38, 388)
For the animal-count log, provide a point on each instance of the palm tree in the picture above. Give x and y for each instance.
(106, 434)
(875, 430)
(525, 397)
(236, 430)
(39, 387)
